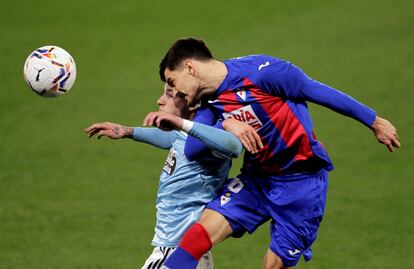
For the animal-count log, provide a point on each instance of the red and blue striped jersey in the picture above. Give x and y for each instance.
(270, 95)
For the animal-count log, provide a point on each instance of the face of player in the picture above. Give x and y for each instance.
(173, 104)
(184, 83)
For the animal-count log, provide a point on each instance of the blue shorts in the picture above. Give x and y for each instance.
(295, 204)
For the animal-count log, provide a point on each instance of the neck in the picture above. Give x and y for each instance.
(212, 75)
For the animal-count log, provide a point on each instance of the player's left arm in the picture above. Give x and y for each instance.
(322, 94)
(108, 129)
(152, 136)
(287, 80)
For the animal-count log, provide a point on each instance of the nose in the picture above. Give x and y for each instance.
(160, 101)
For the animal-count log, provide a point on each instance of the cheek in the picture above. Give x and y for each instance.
(186, 85)
(181, 108)
(179, 104)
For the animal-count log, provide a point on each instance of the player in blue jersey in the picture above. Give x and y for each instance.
(185, 186)
(286, 180)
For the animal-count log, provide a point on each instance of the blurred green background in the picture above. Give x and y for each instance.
(67, 201)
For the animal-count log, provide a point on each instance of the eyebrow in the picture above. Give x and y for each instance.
(170, 81)
(181, 95)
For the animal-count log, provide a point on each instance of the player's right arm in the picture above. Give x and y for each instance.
(206, 138)
(195, 148)
(152, 136)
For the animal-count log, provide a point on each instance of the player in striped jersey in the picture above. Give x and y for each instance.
(284, 181)
(185, 186)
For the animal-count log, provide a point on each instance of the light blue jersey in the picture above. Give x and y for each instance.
(186, 186)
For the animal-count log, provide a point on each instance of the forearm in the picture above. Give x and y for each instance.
(340, 102)
(216, 139)
(153, 136)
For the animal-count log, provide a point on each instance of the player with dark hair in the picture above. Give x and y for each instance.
(286, 179)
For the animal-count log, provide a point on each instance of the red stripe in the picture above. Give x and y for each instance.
(229, 100)
(247, 82)
(291, 129)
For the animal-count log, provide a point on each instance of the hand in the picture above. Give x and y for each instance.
(247, 134)
(164, 121)
(109, 129)
(386, 133)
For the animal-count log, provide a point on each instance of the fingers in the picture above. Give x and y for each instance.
(248, 136)
(168, 122)
(258, 140)
(107, 133)
(395, 139)
(246, 144)
(252, 142)
(397, 143)
(93, 132)
(159, 119)
(391, 143)
(386, 133)
(149, 119)
(96, 127)
(153, 119)
(162, 120)
(91, 128)
(390, 147)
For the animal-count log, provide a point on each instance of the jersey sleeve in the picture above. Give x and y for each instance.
(194, 148)
(154, 136)
(322, 94)
(286, 80)
(223, 143)
(279, 78)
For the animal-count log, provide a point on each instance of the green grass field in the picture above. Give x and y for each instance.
(70, 202)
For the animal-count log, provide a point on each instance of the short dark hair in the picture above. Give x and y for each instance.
(182, 49)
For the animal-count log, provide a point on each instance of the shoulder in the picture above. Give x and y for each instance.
(249, 62)
(270, 69)
(258, 66)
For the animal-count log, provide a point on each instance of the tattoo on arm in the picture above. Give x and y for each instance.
(123, 131)
(116, 130)
(128, 131)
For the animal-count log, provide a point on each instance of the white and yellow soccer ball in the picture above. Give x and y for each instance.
(50, 71)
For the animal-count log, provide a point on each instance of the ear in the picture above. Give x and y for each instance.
(189, 66)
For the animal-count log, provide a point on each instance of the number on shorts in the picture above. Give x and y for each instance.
(235, 185)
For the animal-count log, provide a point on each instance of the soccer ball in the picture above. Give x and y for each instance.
(49, 71)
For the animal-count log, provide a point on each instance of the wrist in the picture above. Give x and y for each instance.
(128, 132)
(375, 122)
(187, 125)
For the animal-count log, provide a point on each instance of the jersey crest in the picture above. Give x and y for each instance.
(241, 93)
